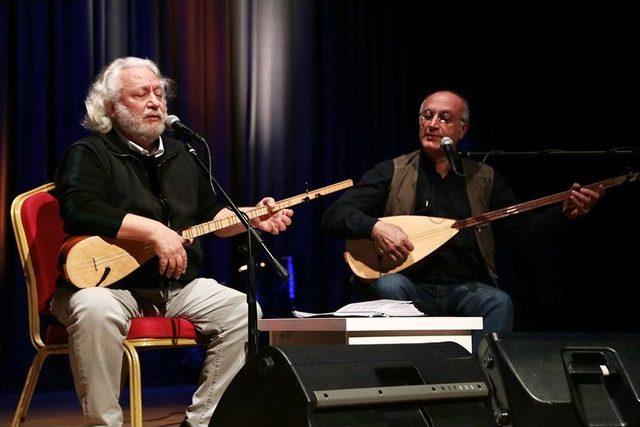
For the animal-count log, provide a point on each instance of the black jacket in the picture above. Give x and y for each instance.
(100, 180)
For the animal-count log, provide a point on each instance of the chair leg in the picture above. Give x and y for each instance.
(135, 387)
(29, 387)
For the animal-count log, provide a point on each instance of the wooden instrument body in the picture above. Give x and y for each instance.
(89, 261)
(101, 261)
(426, 233)
(429, 233)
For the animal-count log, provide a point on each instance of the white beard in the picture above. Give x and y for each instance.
(132, 124)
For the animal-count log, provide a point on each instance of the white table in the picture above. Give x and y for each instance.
(371, 330)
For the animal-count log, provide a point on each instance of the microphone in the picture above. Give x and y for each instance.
(173, 123)
(446, 144)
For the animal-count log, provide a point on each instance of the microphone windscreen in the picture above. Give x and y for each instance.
(446, 142)
(170, 121)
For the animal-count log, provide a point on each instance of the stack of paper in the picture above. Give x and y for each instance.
(377, 308)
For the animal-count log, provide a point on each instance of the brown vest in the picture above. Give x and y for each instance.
(402, 197)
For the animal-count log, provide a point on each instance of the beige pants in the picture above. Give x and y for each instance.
(98, 319)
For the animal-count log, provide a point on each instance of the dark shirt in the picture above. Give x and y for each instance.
(457, 261)
(100, 180)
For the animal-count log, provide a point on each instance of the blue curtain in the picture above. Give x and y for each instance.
(293, 94)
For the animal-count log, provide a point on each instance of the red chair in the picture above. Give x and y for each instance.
(39, 235)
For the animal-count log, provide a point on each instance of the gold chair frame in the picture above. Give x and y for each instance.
(44, 350)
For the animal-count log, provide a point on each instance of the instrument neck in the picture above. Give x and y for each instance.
(537, 203)
(218, 224)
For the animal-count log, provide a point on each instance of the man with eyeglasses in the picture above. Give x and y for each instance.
(460, 277)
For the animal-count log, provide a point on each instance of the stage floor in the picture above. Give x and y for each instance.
(161, 407)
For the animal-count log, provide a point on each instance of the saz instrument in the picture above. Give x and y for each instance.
(88, 261)
(429, 233)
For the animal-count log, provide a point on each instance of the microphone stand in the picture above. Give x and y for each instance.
(252, 235)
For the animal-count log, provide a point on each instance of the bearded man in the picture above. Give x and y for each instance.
(130, 181)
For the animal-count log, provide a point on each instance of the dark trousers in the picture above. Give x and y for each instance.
(465, 299)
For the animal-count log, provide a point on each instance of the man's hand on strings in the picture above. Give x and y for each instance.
(167, 244)
(274, 221)
(169, 247)
(392, 241)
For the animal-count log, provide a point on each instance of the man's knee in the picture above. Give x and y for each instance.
(238, 315)
(393, 286)
(95, 305)
(499, 306)
(501, 300)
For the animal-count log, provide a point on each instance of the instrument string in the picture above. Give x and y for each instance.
(107, 258)
(218, 224)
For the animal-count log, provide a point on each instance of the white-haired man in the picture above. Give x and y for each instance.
(128, 180)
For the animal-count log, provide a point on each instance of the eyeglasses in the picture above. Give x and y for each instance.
(444, 117)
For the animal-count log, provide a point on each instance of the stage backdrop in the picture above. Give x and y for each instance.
(293, 94)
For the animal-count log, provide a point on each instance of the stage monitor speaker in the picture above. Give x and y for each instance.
(563, 380)
(436, 385)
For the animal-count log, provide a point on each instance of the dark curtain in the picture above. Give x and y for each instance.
(293, 94)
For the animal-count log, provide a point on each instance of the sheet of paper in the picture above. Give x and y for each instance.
(303, 314)
(381, 307)
(376, 308)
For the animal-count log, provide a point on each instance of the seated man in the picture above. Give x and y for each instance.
(458, 279)
(128, 180)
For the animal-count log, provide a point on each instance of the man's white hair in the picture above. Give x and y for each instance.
(106, 89)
